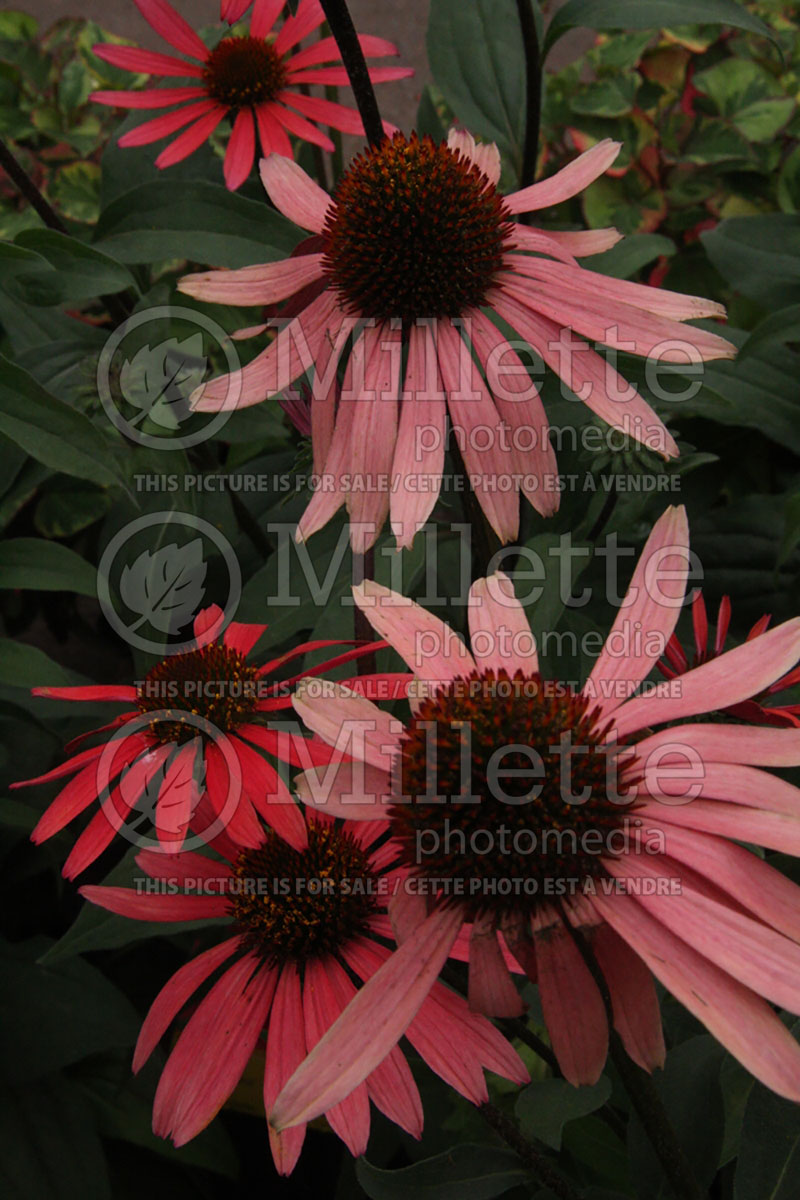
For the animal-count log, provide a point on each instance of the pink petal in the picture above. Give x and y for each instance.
(572, 1005)
(762, 747)
(300, 127)
(293, 352)
(242, 637)
(485, 156)
(237, 818)
(353, 791)
(593, 379)
(241, 150)
(208, 624)
(734, 676)
(309, 16)
(294, 193)
(749, 880)
(162, 17)
(123, 693)
(637, 1016)
(326, 50)
(499, 630)
(328, 112)
(518, 404)
(232, 10)
(270, 796)
(263, 284)
(370, 1026)
(174, 994)
(431, 649)
(271, 134)
(286, 1049)
(177, 797)
(155, 906)
(149, 97)
(338, 77)
(491, 989)
(183, 867)
(568, 181)
(469, 408)
(350, 722)
(775, 830)
(323, 1004)
(131, 58)
(374, 432)
(71, 800)
(581, 243)
(421, 438)
(736, 1016)
(193, 137)
(265, 14)
(159, 127)
(211, 1053)
(651, 608)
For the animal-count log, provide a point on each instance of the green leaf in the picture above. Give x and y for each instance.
(28, 666)
(791, 529)
(81, 272)
(544, 1108)
(759, 256)
(66, 508)
(651, 14)
(624, 260)
(690, 1091)
(198, 221)
(50, 431)
(610, 97)
(96, 929)
(477, 59)
(467, 1172)
(45, 567)
(76, 191)
(778, 329)
(53, 1016)
(769, 1156)
(49, 1145)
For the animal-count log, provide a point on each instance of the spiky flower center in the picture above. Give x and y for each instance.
(291, 906)
(215, 683)
(242, 71)
(506, 786)
(415, 230)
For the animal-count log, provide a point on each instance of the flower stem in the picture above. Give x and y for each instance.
(22, 180)
(533, 86)
(642, 1090)
(540, 1166)
(343, 29)
(117, 309)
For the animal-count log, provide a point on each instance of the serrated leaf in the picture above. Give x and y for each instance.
(165, 588)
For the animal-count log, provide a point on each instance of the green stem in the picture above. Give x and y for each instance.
(540, 1166)
(641, 1089)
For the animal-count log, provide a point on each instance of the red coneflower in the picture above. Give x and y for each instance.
(199, 723)
(257, 79)
(756, 709)
(412, 251)
(613, 828)
(306, 924)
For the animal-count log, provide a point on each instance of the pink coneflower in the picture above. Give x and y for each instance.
(199, 722)
(256, 79)
(417, 242)
(755, 710)
(305, 924)
(541, 808)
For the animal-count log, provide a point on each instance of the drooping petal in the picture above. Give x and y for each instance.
(637, 1016)
(571, 1002)
(286, 1049)
(491, 989)
(178, 796)
(370, 1026)
(179, 988)
(757, 747)
(162, 17)
(159, 127)
(187, 142)
(354, 791)
(154, 906)
(419, 452)
(294, 193)
(211, 1053)
(373, 433)
(241, 150)
(736, 1016)
(340, 717)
